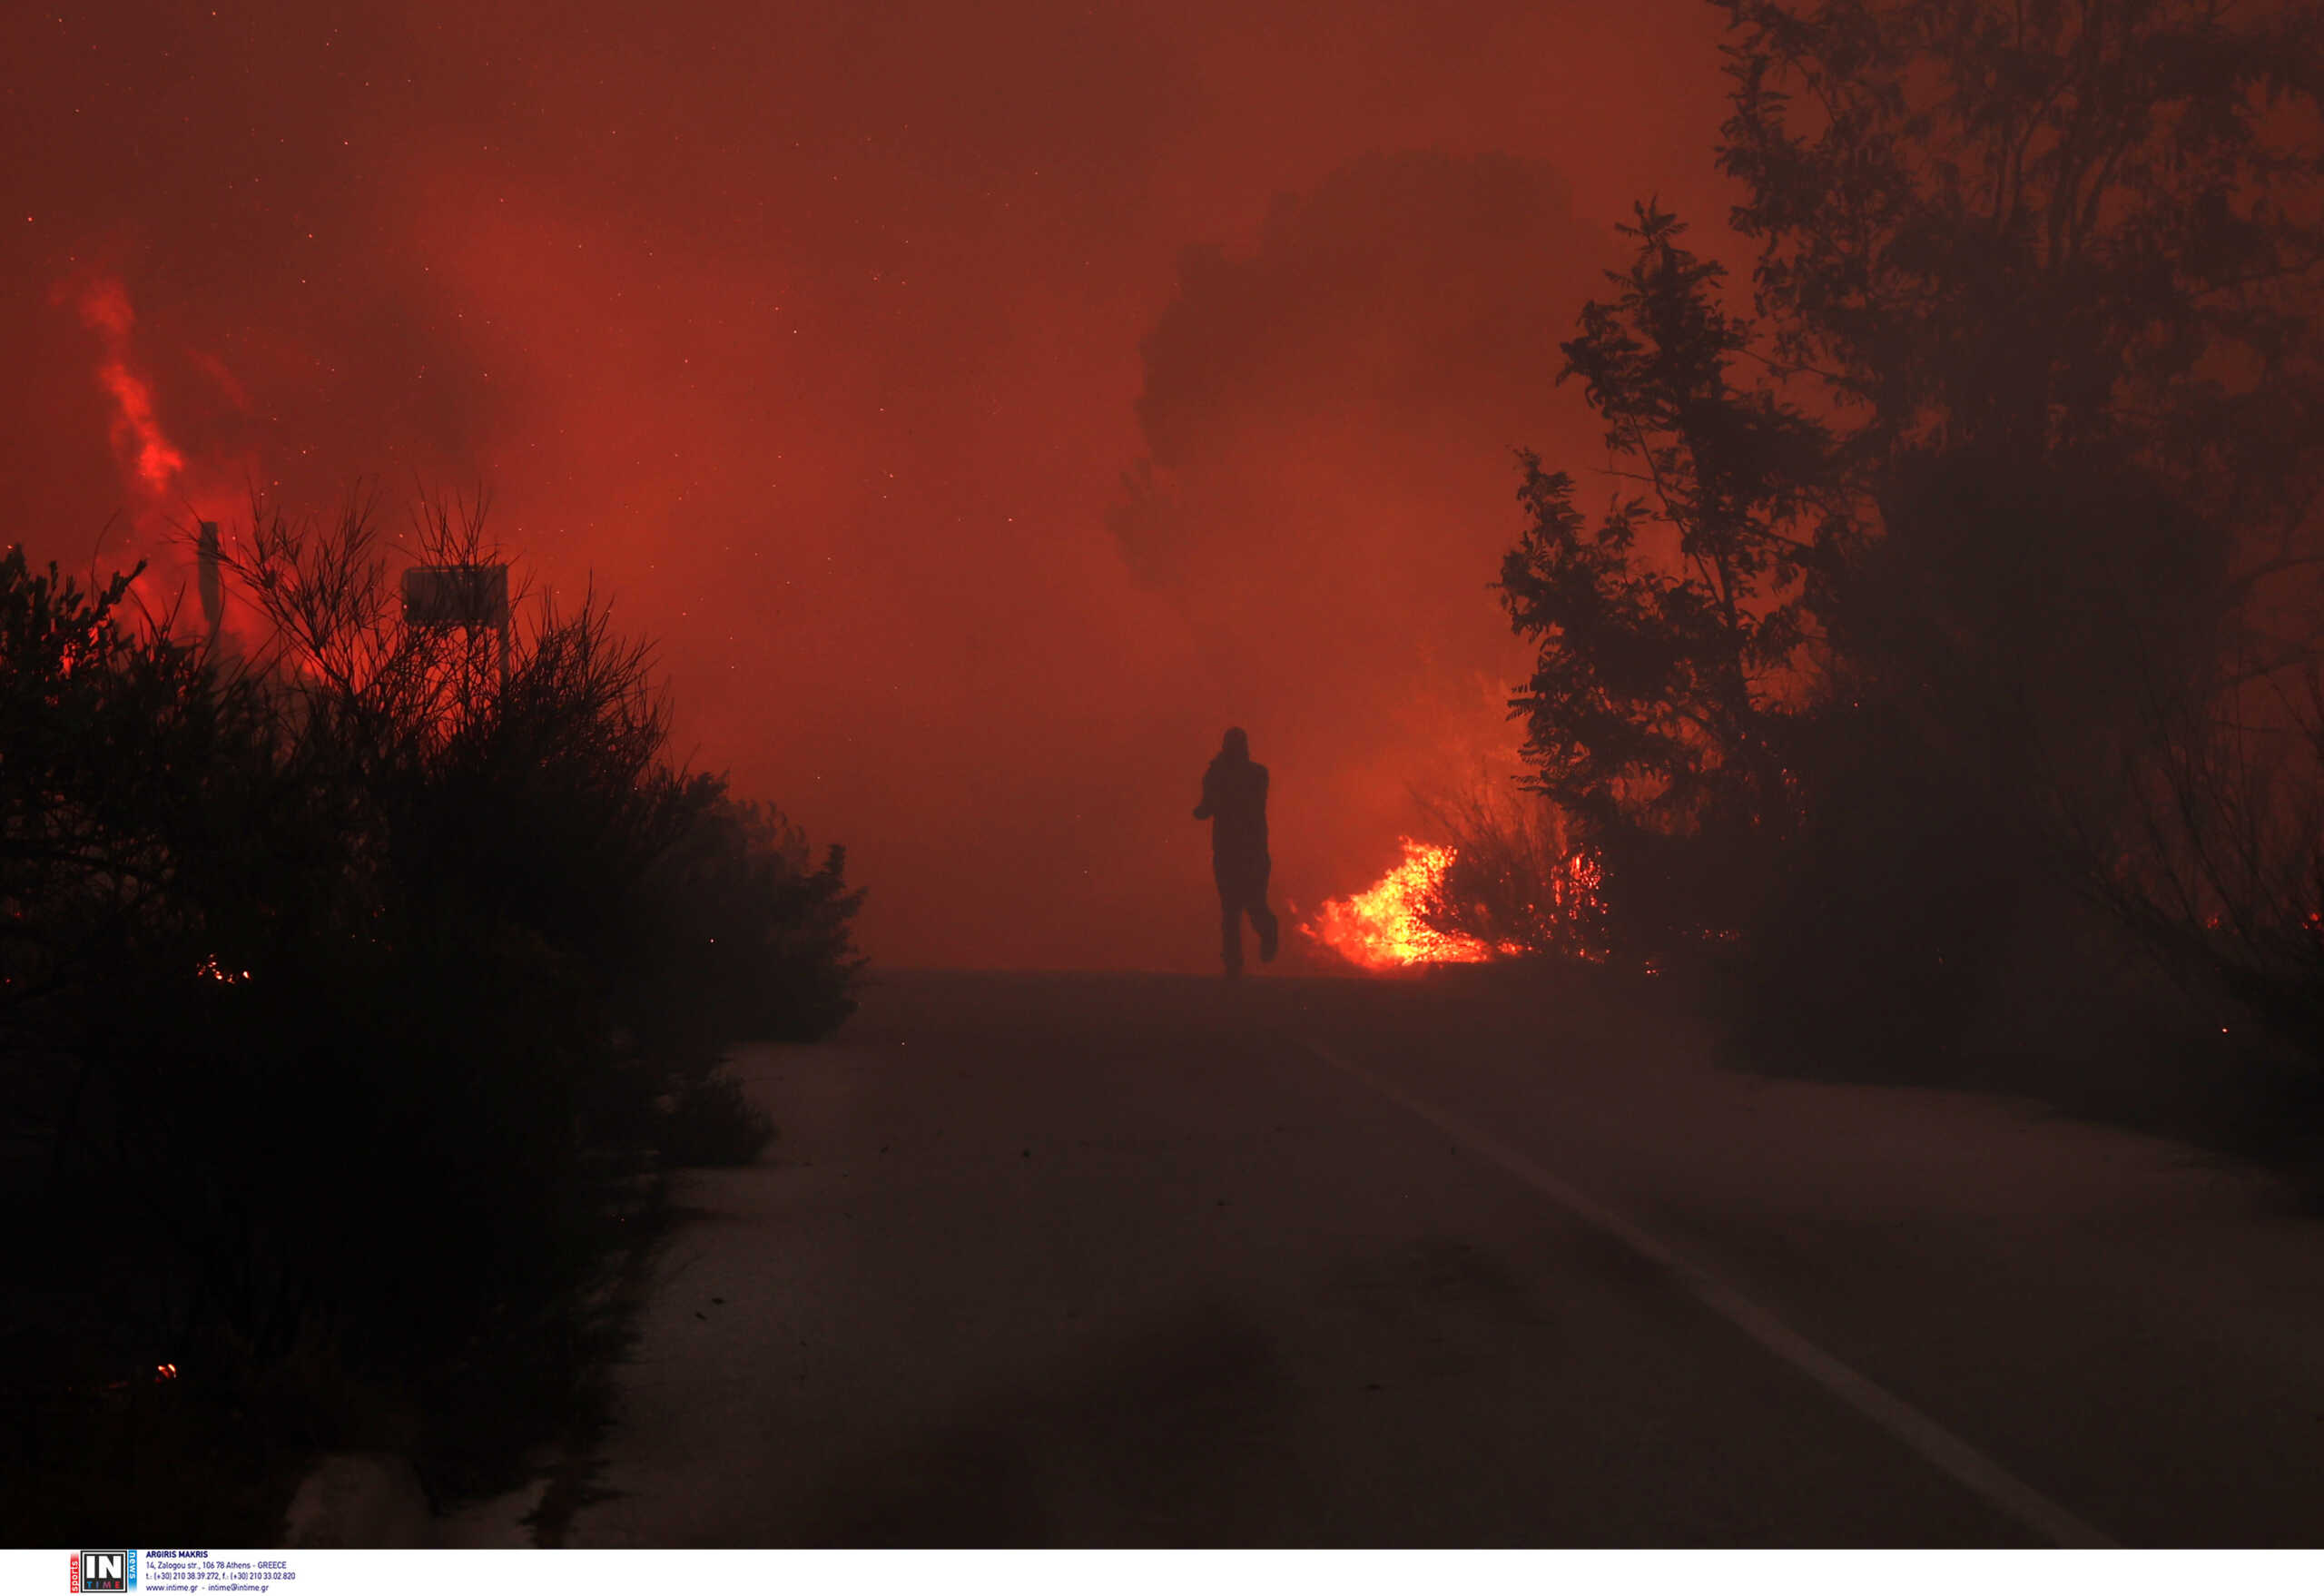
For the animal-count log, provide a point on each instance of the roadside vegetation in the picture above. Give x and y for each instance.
(1937, 675)
(357, 991)
(1514, 882)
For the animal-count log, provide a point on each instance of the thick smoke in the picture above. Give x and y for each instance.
(815, 339)
(1329, 422)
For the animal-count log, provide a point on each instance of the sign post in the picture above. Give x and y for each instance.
(473, 598)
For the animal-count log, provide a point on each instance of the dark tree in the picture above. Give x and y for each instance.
(2035, 225)
(2058, 267)
(1672, 633)
(2046, 273)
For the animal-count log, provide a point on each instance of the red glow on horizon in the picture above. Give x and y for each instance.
(829, 362)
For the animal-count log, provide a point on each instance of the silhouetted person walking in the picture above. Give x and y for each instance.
(1235, 801)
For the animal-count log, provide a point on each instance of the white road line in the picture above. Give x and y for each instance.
(1923, 1435)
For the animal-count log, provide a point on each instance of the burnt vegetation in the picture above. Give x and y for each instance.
(357, 989)
(1944, 665)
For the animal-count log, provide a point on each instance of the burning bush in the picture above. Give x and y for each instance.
(1388, 925)
(1516, 882)
(1507, 884)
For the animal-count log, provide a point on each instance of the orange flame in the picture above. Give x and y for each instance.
(137, 430)
(1382, 928)
(168, 490)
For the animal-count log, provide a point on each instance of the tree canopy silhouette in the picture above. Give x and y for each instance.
(1658, 693)
(1927, 577)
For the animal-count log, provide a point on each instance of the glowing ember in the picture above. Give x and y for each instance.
(1382, 928)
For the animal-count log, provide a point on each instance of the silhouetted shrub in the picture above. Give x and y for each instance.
(746, 935)
(1874, 939)
(711, 1125)
(353, 992)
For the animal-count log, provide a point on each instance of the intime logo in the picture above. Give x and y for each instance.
(106, 1570)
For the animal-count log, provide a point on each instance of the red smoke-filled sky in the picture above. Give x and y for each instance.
(983, 405)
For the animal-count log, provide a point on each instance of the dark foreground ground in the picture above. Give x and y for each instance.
(1128, 1260)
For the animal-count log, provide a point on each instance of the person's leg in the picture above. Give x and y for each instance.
(1262, 918)
(1230, 925)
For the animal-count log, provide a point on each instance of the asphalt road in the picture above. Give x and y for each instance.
(1118, 1260)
